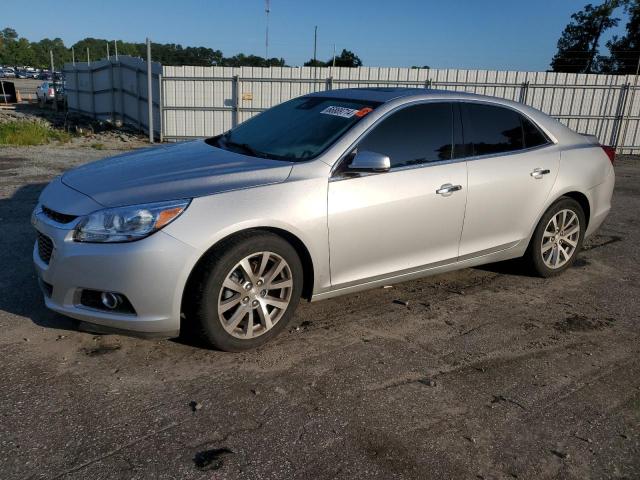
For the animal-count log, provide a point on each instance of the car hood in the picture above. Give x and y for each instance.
(183, 170)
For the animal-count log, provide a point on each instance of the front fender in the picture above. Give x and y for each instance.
(297, 207)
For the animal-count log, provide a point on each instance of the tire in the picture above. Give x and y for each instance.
(559, 251)
(220, 287)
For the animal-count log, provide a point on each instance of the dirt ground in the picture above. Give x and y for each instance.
(485, 374)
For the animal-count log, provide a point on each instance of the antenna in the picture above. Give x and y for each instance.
(267, 10)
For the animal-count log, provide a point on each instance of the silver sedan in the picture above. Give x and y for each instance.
(323, 195)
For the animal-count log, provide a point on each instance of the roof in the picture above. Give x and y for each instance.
(383, 94)
(386, 94)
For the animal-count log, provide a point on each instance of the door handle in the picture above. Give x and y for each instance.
(539, 172)
(448, 189)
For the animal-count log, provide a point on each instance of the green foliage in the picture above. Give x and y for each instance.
(625, 51)
(578, 45)
(24, 132)
(346, 59)
(18, 51)
(242, 60)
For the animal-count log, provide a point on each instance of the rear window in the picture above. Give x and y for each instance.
(493, 129)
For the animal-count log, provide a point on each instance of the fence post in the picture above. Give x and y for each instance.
(235, 94)
(160, 109)
(628, 115)
(138, 114)
(77, 86)
(149, 92)
(524, 89)
(113, 93)
(622, 101)
(93, 92)
(121, 89)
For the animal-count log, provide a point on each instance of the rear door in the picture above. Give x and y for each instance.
(511, 172)
(395, 222)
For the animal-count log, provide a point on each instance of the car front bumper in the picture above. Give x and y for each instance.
(151, 273)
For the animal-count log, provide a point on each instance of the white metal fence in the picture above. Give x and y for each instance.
(114, 89)
(204, 101)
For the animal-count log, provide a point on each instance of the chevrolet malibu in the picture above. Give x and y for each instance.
(323, 195)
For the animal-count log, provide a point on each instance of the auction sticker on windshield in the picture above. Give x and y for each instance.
(339, 111)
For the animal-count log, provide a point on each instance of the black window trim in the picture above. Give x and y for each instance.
(336, 171)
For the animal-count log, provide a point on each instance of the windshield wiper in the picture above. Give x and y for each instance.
(245, 147)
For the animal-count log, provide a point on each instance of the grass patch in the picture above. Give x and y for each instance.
(97, 146)
(24, 132)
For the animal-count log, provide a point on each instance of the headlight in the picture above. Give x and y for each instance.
(126, 224)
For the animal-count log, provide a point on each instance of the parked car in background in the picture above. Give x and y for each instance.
(49, 91)
(32, 72)
(323, 195)
(7, 72)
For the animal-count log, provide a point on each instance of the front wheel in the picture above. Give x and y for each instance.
(246, 291)
(557, 238)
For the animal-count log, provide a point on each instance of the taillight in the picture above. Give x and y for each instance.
(610, 151)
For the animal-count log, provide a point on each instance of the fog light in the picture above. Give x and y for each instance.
(110, 300)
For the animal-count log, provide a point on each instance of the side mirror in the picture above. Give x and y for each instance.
(370, 162)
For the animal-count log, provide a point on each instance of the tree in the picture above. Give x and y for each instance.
(317, 63)
(21, 52)
(578, 45)
(346, 59)
(242, 60)
(8, 34)
(625, 51)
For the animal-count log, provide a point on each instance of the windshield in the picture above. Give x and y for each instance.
(299, 129)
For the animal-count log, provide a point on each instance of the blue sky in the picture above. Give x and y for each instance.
(490, 34)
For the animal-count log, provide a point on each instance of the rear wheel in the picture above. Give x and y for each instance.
(246, 292)
(557, 238)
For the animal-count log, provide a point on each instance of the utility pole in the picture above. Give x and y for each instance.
(333, 64)
(88, 57)
(315, 44)
(108, 56)
(115, 46)
(267, 10)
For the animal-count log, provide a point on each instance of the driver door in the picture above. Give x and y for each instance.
(408, 218)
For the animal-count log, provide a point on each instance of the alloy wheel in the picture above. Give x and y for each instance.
(560, 239)
(255, 295)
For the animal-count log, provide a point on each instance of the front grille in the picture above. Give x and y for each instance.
(57, 216)
(45, 248)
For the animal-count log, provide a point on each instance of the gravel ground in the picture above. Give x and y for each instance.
(485, 373)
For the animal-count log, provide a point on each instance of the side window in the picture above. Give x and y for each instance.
(414, 135)
(533, 137)
(492, 129)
